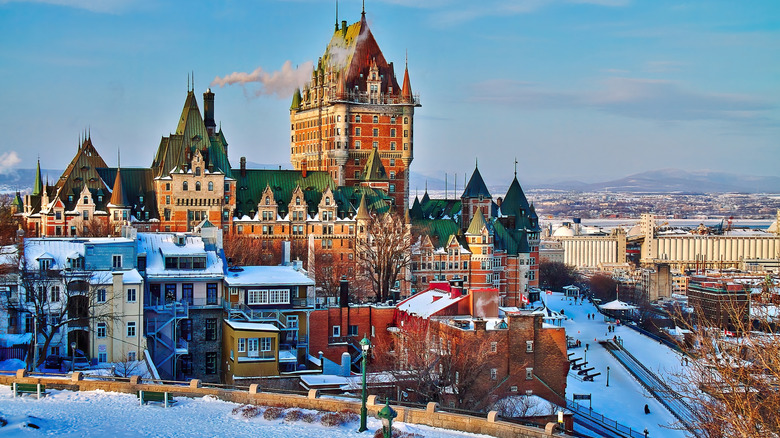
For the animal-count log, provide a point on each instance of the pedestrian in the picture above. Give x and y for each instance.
(647, 409)
(646, 433)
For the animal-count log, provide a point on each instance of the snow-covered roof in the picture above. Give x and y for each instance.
(617, 305)
(267, 276)
(242, 325)
(158, 245)
(62, 249)
(428, 303)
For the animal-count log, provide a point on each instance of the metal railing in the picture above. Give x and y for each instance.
(603, 421)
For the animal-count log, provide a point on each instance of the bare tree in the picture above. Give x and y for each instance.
(54, 303)
(730, 380)
(384, 252)
(329, 268)
(245, 250)
(434, 363)
(127, 366)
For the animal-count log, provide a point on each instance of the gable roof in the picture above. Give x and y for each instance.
(374, 169)
(477, 223)
(82, 171)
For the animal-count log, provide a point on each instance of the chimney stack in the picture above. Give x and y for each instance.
(304, 171)
(344, 292)
(243, 166)
(208, 112)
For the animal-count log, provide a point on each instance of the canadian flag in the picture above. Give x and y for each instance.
(549, 292)
(524, 299)
(728, 333)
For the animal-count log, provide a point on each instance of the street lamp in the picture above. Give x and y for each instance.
(72, 355)
(365, 344)
(386, 414)
(607, 376)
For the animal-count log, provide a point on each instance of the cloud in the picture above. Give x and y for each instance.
(281, 83)
(8, 160)
(99, 6)
(630, 97)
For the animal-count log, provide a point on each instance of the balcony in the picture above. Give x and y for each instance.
(258, 355)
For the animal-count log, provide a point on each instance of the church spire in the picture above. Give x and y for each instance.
(38, 184)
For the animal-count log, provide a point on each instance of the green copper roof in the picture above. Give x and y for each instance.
(374, 169)
(416, 211)
(296, 100)
(477, 223)
(511, 241)
(17, 202)
(38, 184)
(514, 200)
(476, 187)
(439, 230)
(137, 188)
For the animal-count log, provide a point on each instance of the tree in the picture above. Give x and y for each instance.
(329, 268)
(730, 382)
(603, 287)
(242, 250)
(8, 224)
(384, 252)
(555, 275)
(93, 227)
(57, 303)
(432, 362)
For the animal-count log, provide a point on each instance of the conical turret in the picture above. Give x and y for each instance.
(38, 184)
(118, 196)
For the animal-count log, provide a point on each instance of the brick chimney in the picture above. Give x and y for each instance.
(304, 171)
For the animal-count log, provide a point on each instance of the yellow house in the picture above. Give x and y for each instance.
(249, 350)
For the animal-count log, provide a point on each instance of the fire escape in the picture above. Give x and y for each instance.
(164, 336)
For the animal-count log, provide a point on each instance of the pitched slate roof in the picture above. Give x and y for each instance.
(136, 183)
(82, 171)
(477, 223)
(374, 170)
(476, 186)
(514, 200)
(439, 230)
(191, 134)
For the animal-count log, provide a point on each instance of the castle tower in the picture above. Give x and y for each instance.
(352, 105)
(475, 197)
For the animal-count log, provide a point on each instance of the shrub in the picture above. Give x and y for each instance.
(247, 411)
(294, 415)
(397, 434)
(309, 417)
(332, 419)
(273, 413)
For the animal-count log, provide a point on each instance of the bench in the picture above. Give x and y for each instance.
(29, 388)
(589, 377)
(153, 396)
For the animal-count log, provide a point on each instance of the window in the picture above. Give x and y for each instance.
(392, 174)
(406, 133)
(253, 347)
(392, 145)
(493, 347)
(55, 294)
(197, 186)
(493, 374)
(131, 356)
(211, 329)
(131, 329)
(376, 132)
(357, 133)
(211, 293)
(357, 118)
(102, 357)
(391, 189)
(513, 388)
(58, 215)
(392, 161)
(529, 346)
(242, 345)
(529, 373)
(406, 119)
(211, 363)
(353, 330)
(168, 186)
(376, 118)
(186, 293)
(116, 261)
(85, 215)
(292, 321)
(336, 331)
(101, 330)
(101, 295)
(392, 132)
(265, 344)
(184, 186)
(211, 186)
(131, 295)
(272, 296)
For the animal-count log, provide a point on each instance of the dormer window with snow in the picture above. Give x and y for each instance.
(70, 198)
(100, 198)
(297, 200)
(44, 264)
(86, 200)
(141, 199)
(267, 200)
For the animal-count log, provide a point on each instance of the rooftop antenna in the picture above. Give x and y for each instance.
(118, 159)
(337, 14)
(515, 167)
(188, 82)
(445, 186)
(455, 191)
(364, 9)
(193, 80)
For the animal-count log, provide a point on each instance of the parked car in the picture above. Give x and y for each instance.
(52, 361)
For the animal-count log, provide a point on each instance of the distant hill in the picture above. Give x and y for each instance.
(22, 179)
(676, 180)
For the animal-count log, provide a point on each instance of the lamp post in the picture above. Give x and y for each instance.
(607, 376)
(365, 344)
(386, 414)
(72, 355)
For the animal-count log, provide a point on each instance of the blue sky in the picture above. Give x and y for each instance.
(575, 89)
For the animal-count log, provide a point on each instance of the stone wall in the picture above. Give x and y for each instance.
(430, 416)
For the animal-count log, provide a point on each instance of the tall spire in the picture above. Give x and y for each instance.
(406, 88)
(515, 167)
(337, 14)
(363, 14)
(38, 184)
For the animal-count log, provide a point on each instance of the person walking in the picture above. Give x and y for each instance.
(647, 409)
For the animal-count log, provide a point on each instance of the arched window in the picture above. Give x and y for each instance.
(267, 200)
(297, 200)
(327, 201)
(197, 186)
(86, 200)
(406, 120)
(376, 119)
(185, 186)
(197, 171)
(211, 186)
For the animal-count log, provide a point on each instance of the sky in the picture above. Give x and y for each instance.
(587, 90)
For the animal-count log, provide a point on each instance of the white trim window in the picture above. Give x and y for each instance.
(131, 329)
(253, 346)
(292, 321)
(270, 296)
(131, 295)
(265, 344)
(242, 345)
(101, 330)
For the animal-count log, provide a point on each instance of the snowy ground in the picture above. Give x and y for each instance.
(99, 413)
(624, 400)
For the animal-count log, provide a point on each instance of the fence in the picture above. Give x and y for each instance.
(12, 353)
(429, 415)
(603, 421)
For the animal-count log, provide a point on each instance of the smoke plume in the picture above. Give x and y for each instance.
(280, 83)
(8, 161)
